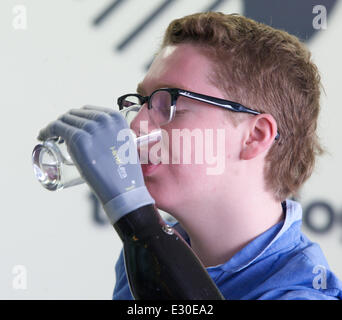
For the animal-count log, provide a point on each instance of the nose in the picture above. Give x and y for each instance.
(142, 123)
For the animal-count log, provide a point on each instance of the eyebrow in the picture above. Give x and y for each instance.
(140, 88)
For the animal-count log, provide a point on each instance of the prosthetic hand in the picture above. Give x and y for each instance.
(92, 136)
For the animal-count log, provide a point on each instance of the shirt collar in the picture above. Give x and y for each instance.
(266, 243)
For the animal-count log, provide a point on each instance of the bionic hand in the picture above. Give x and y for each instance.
(95, 138)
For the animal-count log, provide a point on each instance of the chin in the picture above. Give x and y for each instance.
(164, 198)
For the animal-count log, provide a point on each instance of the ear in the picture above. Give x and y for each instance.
(261, 133)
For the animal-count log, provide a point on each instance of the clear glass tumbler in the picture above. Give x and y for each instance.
(54, 168)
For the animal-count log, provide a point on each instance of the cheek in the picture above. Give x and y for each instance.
(183, 146)
(182, 177)
(196, 152)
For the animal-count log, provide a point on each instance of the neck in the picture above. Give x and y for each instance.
(221, 229)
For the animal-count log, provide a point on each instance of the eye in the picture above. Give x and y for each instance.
(130, 101)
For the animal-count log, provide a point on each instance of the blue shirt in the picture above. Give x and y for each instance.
(281, 263)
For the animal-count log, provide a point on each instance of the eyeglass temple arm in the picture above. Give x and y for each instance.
(230, 105)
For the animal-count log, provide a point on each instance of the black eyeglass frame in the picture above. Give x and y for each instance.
(176, 92)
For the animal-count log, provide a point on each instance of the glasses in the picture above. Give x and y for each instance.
(162, 104)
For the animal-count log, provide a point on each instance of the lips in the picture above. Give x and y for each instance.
(149, 161)
(147, 169)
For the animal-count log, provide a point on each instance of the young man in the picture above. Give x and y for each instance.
(259, 87)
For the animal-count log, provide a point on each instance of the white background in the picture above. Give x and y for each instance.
(60, 61)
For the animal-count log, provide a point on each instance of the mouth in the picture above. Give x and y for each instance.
(150, 157)
(149, 168)
(149, 161)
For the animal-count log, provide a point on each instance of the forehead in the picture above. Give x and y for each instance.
(181, 66)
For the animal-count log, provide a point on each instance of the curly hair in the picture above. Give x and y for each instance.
(268, 70)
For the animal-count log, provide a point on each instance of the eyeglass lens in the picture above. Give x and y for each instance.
(161, 106)
(160, 112)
